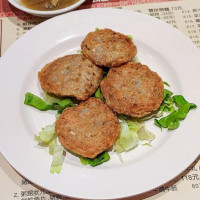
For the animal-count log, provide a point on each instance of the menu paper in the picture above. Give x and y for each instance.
(183, 15)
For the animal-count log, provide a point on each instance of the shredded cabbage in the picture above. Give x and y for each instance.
(48, 137)
(47, 133)
(127, 140)
(144, 134)
(134, 126)
(57, 162)
(52, 145)
(131, 134)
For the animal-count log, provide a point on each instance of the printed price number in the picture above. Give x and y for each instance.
(195, 186)
(191, 177)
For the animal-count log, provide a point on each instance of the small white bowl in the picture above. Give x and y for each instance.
(51, 13)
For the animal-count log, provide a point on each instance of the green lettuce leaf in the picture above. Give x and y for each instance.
(166, 83)
(99, 159)
(80, 52)
(179, 100)
(38, 103)
(167, 104)
(98, 94)
(172, 121)
(130, 37)
(167, 93)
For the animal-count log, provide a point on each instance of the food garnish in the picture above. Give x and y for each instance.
(101, 158)
(37, 102)
(47, 138)
(172, 121)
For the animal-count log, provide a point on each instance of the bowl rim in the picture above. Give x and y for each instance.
(52, 12)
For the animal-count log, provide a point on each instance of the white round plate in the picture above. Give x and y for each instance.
(164, 49)
(17, 4)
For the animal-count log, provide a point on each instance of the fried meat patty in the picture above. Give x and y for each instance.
(88, 128)
(133, 89)
(108, 48)
(71, 75)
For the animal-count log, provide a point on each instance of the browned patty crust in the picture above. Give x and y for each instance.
(71, 75)
(88, 128)
(108, 48)
(133, 89)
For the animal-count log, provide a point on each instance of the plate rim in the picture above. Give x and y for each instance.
(57, 18)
